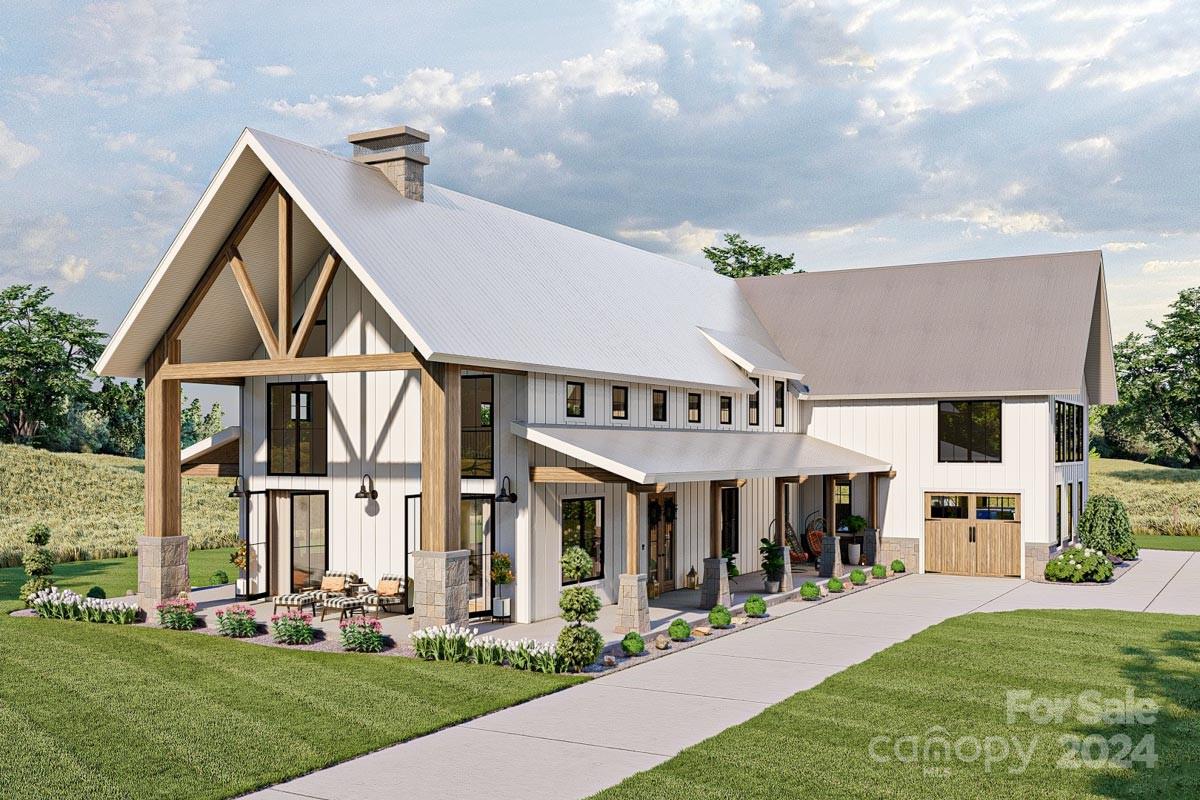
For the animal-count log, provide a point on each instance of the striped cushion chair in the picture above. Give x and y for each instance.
(335, 584)
(389, 596)
(296, 600)
(345, 606)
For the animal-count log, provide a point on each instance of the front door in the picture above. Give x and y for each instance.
(729, 521)
(475, 519)
(310, 539)
(973, 534)
(660, 515)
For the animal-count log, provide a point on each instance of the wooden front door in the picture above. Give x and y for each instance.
(660, 515)
(973, 534)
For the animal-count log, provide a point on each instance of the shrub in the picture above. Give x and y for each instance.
(719, 617)
(633, 644)
(53, 604)
(879, 571)
(810, 591)
(178, 614)
(834, 585)
(858, 577)
(1104, 525)
(236, 621)
(38, 562)
(730, 566)
(444, 642)
(33, 586)
(219, 578)
(1079, 563)
(679, 630)
(38, 535)
(97, 593)
(897, 566)
(856, 523)
(578, 647)
(361, 635)
(576, 563)
(292, 627)
(579, 604)
(755, 607)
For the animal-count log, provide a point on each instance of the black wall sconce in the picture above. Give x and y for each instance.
(507, 495)
(363, 492)
(237, 490)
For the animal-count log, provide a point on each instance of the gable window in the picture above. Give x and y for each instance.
(296, 421)
(752, 404)
(477, 460)
(969, 431)
(726, 410)
(574, 399)
(658, 405)
(780, 395)
(620, 402)
(1069, 429)
(583, 526)
(693, 406)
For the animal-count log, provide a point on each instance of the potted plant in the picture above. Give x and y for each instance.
(773, 565)
(502, 575)
(855, 525)
(240, 558)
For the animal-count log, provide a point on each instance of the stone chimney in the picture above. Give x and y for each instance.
(399, 153)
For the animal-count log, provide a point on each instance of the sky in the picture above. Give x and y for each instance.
(856, 133)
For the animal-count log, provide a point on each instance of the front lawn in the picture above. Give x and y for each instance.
(99, 711)
(1151, 542)
(117, 575)
(949, 683)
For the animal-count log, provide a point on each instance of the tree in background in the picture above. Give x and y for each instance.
(123, 407)
(740, 259)
(195, 425)
(46, 357)
(1158, 384)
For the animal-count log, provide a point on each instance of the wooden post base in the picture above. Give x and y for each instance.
(162, 569)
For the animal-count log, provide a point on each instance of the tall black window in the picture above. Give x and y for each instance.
(752, 404)
(726, 410)
(574, 399)
(730, 526)
(658, 405)
(298, 439)
(842, 503)
(780, 395)
(969, 430)
(583, 526)
(620, 402)
(1069, 429)
(1058, 512)
(310, 539)
(477, 436)
(693, 406)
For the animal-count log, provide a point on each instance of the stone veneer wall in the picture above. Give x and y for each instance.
(162, 568)
(439, 588)
(1037, 556)
(906, 549)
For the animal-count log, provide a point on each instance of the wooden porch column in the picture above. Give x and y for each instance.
(633, 604)
(162, 550)
(714, 515)
(632, 545)
(873, 504)
(440, 567)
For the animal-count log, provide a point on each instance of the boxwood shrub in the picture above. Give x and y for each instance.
(810, 591)
(835, 585)
(897, 566)
(633, 644)
(680, 630)
(755, 606)
(1079, 563)
(879, 571)
(1104, 526)
(858, 577)
(720, 617)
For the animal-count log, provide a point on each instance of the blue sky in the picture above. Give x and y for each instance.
(851, 133)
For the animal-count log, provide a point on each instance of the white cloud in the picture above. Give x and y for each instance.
(14, 153)
(1094, 147)
(1123, 247)
(1171, 265)
(128, 141)
(73, 269)
(998, 219)
(684, 239)
(275, 70)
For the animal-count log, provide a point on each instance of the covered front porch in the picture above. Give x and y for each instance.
(696, 507)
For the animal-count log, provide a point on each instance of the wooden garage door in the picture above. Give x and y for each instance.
(973, 534)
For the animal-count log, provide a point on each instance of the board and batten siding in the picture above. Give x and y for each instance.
(905, 433)
(1069, 473)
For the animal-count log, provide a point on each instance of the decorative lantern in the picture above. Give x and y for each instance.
(691, 578)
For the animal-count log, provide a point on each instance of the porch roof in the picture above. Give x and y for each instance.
(659, 455)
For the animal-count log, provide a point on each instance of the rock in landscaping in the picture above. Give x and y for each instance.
(741, 620)
(662, 642)
(700, 630)
(610, 661)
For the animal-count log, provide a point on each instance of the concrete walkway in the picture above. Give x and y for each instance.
(578, 741)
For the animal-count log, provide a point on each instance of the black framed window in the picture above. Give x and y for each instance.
(969, 431)
(752, 404)
(620, 402)
(996, 507)
(583, 526)
(298, 438)
(1058, 513)
(730, 515)
(1069, 429)
(477, 430)
(574, 399)
(310, 539)
(780, 396)
(693, 406)
(948, 506)
(842, 503)
(658, 405)
(726, 410)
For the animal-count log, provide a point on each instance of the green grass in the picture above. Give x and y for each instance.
(1160, 500)
(955, 675)
(102, 711)
(93, 505)
(1154, 542)
(116, 575)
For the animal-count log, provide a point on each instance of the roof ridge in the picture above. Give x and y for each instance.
(917, 265)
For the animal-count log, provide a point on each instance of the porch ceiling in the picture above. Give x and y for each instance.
(657, 455)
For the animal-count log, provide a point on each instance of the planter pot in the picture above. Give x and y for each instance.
(501, 607)
(772, 587)
(240, 587)
(854, 553)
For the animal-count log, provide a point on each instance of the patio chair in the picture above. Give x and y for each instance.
(388, 596)
(814, 543)
(296, 600)
(335, 584)
(345, 606)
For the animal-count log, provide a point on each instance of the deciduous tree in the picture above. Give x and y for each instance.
(740, 259)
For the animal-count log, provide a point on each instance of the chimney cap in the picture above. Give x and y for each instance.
(387, 133)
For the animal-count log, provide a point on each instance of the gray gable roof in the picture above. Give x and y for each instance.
(1027, 325)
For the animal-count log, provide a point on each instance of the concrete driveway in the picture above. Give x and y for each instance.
(586, 738)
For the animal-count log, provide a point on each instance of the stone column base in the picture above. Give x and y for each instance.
(715, 589)
(906, 549)
(633, 604)
(830, 563)
(439, 588)
(787, 584)
(162, 569)
(1037, 556)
